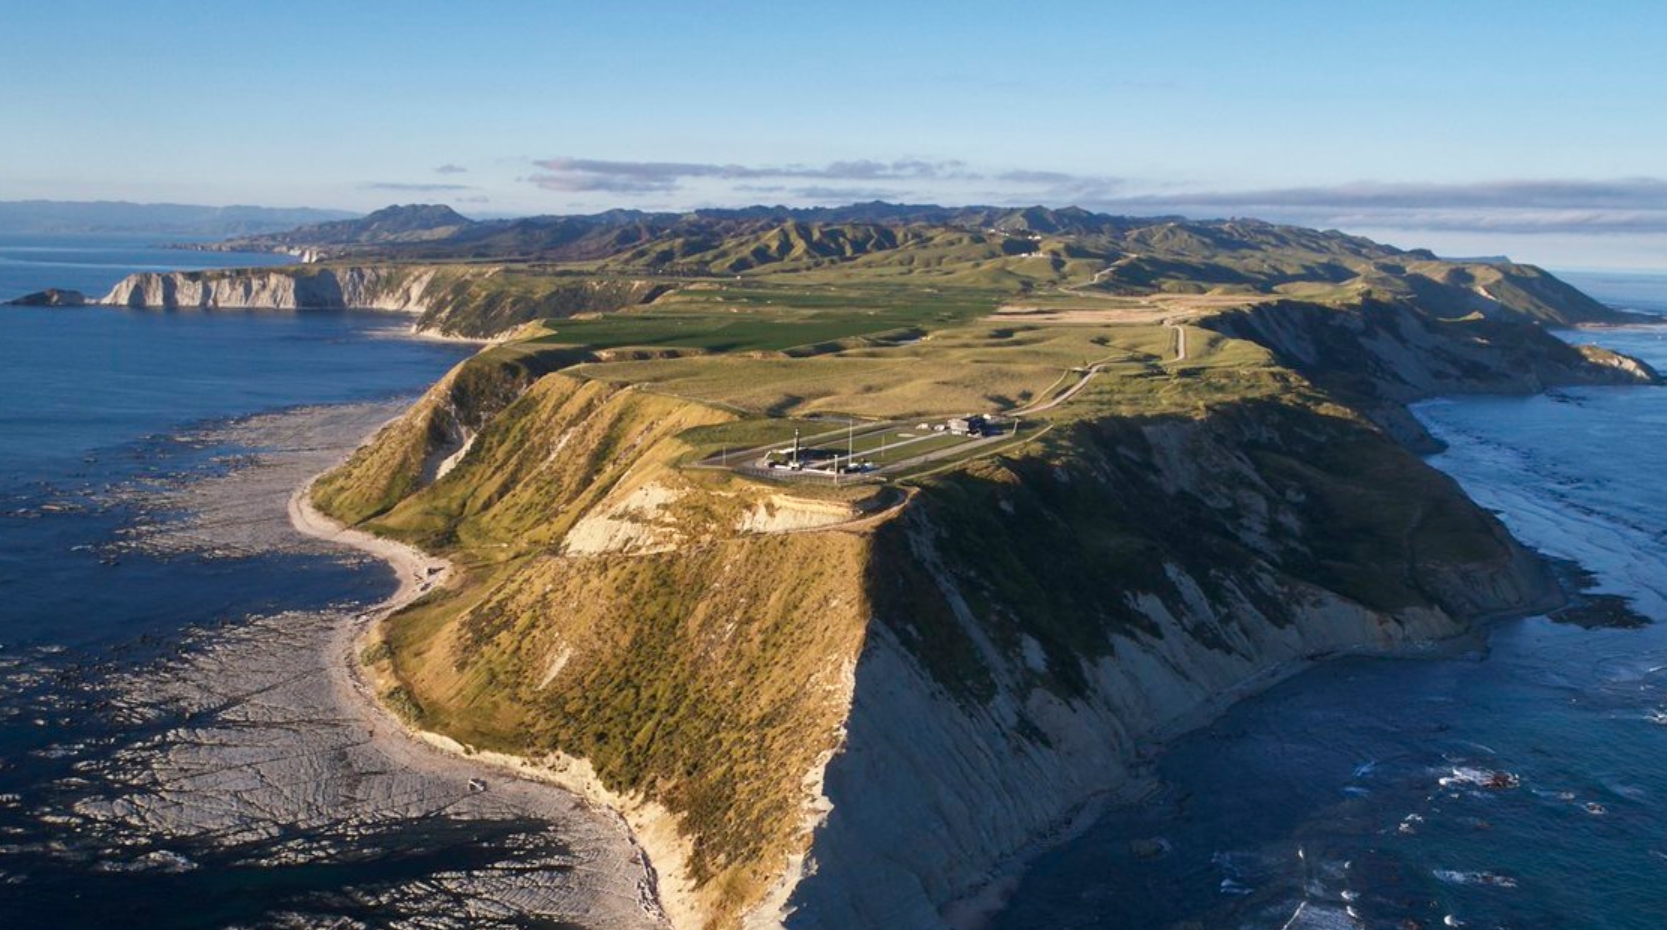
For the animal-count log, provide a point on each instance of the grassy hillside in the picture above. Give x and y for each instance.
(702, 669)
(1056, 543)
(1201, 457)
(1014, 251)
(395, 224)
(391, 467)
(708, 668)
(476, 303)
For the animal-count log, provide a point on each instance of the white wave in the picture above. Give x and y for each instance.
(1311, 916)
(1578, 500)
(1496, 780)
(1455, 877)
(1229, 886)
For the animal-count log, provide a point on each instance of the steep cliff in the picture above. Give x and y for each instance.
(460, 300)
(1039, 617)
(776, 683)
(378, 288)
(1381, 355)
(427, 442)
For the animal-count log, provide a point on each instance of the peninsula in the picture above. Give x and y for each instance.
(797, 535)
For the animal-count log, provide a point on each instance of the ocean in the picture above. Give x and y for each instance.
(95, 402)
(178, 746)
(92, 264)
(1520, 783)
(172, 754)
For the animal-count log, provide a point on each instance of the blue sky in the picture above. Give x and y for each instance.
(1535, 128)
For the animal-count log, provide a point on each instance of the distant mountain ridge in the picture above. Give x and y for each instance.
(1016, 249)
(387, 226)
(164, 219)
(431, 231)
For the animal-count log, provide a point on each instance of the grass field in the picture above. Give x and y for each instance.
(1087, 306)
(978, 368)
(743, 435)
(739, 317)
(890, 445)
(793, 351)
(897, 449)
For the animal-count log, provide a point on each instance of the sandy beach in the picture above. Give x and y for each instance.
(417, 571)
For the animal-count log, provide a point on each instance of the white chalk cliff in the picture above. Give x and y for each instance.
(480, 301)
(369, 287)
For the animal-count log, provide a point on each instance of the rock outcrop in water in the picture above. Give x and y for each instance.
(51, 297)
(1629, 370)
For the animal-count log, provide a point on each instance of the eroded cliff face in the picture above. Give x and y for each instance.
(459, 300)
(779, 684)
(372, 288)
(1038, 618)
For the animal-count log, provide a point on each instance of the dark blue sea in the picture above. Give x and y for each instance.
(1520, 784)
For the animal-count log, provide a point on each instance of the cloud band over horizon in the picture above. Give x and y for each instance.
(583, 175)
(1628, 205)
(1518, 206)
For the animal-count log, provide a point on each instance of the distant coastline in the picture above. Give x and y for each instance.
(171, 220)
(94, 263)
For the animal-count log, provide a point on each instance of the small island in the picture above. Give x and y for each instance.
(51, 297)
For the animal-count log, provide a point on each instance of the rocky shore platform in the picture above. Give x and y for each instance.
(248, 770)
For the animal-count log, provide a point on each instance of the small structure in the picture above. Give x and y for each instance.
(790, 454)
(799, 457)
(973, 424)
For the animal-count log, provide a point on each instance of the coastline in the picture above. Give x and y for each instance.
(976, 910)
(1582, 670)
(240, 745)
(669, 894)
(431, 335)
(666, 891)
(418, 572)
